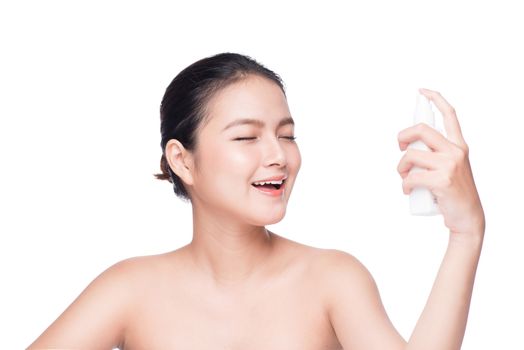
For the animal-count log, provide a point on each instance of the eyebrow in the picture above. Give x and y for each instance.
(257, 122)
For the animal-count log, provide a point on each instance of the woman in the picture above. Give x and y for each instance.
(228, 148)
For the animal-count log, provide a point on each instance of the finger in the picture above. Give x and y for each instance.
(451, 123)
(431, 137)
(422, 159)
(425, 179)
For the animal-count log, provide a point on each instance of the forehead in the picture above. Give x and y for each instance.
(253, 97)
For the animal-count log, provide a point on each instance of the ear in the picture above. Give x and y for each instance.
(180, 160)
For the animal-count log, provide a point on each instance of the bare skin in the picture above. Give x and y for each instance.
(167, 302)
(280, 308)
(239, 286)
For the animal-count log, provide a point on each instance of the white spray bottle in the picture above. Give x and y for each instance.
(421, 200)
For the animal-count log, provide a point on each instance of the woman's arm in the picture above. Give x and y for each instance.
(354, 304)
(96, 319)
(443, 321)
(449, 176)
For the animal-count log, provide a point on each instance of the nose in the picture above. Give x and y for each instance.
(274, 153)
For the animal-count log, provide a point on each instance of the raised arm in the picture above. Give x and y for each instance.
(443, 321)
(355, 308)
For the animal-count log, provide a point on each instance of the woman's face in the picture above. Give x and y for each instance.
(246, 140)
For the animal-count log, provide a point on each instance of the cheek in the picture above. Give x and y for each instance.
(230, 159)
(295, 159)
(227, 165)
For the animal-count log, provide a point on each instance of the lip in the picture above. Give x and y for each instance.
(271, 192)
(274, 178)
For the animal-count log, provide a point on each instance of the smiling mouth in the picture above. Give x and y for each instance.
(270, 186)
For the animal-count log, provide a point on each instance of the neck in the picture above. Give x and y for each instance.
(230, 251)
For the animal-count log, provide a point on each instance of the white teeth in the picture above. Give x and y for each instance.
(269, 182)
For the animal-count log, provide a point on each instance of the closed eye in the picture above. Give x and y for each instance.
(244, 138)
(291, 138)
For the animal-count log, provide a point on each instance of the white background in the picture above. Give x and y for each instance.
(80, 89)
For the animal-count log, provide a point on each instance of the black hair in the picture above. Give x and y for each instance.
(183, 108)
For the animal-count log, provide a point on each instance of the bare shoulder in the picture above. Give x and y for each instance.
(329, 269)
(344, 278)
(97, 317)
(324, 262)
(334, 264)
(353, 301)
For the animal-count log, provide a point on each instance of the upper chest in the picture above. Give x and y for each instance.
(285, 312)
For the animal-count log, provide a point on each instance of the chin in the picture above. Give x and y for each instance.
(269, 218)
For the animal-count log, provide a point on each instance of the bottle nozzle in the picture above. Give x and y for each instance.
(423, 111)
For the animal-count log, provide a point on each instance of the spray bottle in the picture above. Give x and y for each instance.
(421, 200)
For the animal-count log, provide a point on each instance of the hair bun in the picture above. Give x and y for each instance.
(164, 166)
